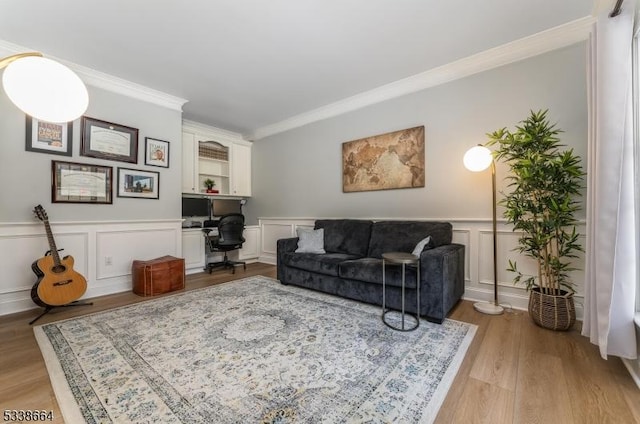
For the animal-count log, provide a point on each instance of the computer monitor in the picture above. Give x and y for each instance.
(195, 206)
(220, 207)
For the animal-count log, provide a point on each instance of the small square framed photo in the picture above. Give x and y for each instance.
(140, 184)
(48, 137)
(156, 152)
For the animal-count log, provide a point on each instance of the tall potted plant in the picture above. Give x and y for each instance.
(544, 185)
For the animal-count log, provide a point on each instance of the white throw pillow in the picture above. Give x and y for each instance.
(310, 241)
(420, 246)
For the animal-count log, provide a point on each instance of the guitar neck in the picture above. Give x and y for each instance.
(52, 243)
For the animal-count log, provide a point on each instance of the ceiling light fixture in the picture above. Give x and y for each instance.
(43, 88)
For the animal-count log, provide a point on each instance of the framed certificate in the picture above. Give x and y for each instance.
(80, 183)
(105, 140)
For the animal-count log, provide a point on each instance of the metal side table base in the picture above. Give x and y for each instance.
(403, 259)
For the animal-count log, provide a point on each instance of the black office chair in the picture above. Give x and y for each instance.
(230, 228)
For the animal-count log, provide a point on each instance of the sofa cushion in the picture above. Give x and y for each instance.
(402, 236)
(350, 236)
(370, 271)
(321, 263)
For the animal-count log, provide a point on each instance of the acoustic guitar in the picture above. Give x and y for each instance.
(58, 283)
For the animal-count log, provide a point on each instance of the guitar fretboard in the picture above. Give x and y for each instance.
(52, 243)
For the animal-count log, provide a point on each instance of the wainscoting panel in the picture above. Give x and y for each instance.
(274, 229)
(27, 248)
(92, 245)
(251, 246)
(116, 250)
(477, 236)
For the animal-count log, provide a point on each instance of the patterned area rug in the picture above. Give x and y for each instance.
(250, 351)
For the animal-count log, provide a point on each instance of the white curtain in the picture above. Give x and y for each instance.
(610, 283)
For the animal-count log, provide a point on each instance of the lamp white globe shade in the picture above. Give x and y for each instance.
(477, 158)
(45, 89)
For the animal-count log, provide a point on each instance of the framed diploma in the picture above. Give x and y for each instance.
(80, 183)
(136, 183)
(48, 137)
(105, 140)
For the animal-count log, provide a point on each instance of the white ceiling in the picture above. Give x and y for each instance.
(246, 64)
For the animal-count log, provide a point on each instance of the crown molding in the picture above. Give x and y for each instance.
(215, 132)
(533, 45)
(108, 82)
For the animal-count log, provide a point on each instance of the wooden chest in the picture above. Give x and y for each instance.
(157, 276)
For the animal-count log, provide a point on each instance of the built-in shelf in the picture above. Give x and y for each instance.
(210, 153)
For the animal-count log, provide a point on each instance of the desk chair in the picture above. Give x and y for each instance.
(230, 228)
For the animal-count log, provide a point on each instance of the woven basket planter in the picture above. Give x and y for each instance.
(555, 312)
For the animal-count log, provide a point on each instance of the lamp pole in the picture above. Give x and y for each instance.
(478, 159)
(495, 231)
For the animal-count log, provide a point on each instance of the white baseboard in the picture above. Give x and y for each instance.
(633, 366)
(507, 300)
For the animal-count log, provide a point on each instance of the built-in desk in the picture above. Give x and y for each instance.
(195, 253)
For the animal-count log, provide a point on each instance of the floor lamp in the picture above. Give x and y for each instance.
(43, 88)
(478, 159)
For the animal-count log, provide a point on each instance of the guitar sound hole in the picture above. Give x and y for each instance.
(59, 268)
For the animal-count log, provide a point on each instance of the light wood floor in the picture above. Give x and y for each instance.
(514, 372)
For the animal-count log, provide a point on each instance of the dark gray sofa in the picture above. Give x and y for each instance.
(352, 264)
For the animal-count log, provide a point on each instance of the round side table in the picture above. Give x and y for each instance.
(403, 259)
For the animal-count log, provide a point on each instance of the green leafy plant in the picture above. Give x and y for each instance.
(209, 183)
(544, 183)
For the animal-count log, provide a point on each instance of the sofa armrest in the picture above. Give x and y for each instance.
(287, 245)
(284, 246)
(441, 279)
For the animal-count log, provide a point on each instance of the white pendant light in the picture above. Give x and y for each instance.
(43, 88)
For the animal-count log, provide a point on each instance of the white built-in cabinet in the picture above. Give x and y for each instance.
(211, 153)
(241, 170)
(193, 248)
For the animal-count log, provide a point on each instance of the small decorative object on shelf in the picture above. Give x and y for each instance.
(210, 184)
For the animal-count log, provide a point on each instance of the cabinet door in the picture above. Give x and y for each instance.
(193, 249)
(249, 248)
(189, 164)
(241, 167)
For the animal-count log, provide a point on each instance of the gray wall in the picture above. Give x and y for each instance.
(299, 173)
(26, 176)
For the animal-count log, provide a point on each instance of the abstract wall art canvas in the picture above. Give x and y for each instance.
(382, 162)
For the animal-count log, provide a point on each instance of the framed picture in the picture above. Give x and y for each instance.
(104, 140)
(80, 183)
(383, 162)
(156, 152)
(48, 137)
(136, 183)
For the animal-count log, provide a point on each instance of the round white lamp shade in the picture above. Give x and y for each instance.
(477, 158)
(45, 89)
